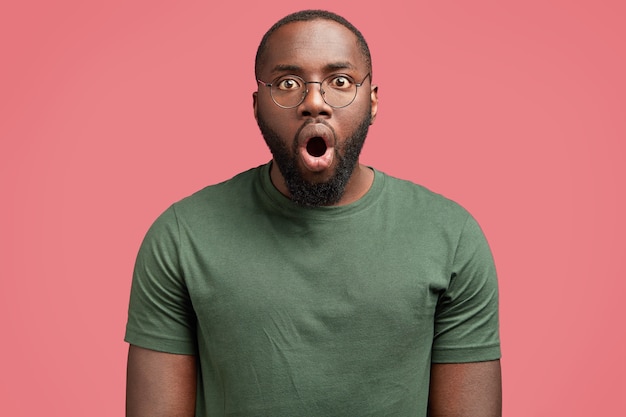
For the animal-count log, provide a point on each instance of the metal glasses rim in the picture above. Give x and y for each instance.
(306, 92)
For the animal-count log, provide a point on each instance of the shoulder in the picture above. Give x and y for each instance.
(234, 194)
(208, 206)
(421, 203)
(234, 188)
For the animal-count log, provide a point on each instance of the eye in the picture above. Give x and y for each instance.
(288, 84)
(341, 82)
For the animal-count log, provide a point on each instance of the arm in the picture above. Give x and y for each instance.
(160, 384)
(465, 390)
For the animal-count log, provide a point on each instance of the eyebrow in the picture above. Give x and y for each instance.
(328, 67)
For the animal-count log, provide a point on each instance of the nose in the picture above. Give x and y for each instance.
(313, 104)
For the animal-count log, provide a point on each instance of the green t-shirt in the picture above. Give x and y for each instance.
(331, 311)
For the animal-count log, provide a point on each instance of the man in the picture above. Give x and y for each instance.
(314, 285)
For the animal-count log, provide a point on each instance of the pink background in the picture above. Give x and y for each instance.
(110, 111)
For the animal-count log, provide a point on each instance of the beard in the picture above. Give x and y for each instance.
(315, 194)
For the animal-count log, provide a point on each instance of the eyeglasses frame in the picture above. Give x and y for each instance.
(306, 92)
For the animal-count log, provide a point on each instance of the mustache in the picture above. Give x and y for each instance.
(307, 122)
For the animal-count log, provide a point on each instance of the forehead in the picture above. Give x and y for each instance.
(312, 46)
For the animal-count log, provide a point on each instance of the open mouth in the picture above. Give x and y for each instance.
(315, 142)
(316, 146)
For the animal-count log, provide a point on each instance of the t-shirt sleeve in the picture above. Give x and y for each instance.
(160, 314)
(466, 320)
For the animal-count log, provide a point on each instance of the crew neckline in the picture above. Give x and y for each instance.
(286, 206)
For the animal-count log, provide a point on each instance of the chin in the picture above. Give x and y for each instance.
(314, 189)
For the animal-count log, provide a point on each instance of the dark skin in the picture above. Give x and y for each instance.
(314, 50)
(162, 384)
(465, 390)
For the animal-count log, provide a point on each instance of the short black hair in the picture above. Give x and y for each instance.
(305, 16)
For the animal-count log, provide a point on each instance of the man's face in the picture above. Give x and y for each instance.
(315, 146)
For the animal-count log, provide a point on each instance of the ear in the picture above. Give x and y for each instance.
(374, 101)
(254, 104)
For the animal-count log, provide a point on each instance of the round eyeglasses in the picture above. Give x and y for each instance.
(337, 90)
